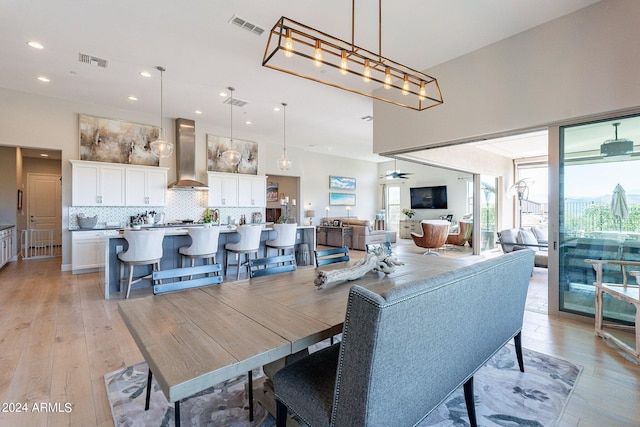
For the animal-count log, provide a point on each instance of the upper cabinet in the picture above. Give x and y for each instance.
(146, 186)
(97, 184)
(252, 191)
(111, 184)
(236, 190)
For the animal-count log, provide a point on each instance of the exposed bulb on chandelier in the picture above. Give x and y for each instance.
(387, 78)
(317, 56)
(366, 73)
(344, 64)
(288, 44)
(405, 85)
(422, 94)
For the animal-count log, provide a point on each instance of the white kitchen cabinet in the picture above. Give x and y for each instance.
(223, 189)
(87, 250)
(6, 245)
(145, 186)
(97, 184)
(252, 191)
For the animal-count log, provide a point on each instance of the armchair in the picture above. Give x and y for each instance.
(464, 234)
(434, 235)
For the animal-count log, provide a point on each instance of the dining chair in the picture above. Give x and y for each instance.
(330, 256)
(434, 235)
(204, 244)
(286, 238)
(271, 265)
(145, 248)
(249, 243)
(175, 280)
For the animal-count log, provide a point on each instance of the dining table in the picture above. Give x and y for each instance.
(197, 338)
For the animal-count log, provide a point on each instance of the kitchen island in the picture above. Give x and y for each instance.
(177, 237)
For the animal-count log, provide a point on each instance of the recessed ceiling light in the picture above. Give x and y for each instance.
(145, 74)
(222, 94)
(132, 98)
(198, 112)
(248, 122)
(44, 155)
(43, 79)
(276, 108)
(35, 45)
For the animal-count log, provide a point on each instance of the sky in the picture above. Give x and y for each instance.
(600, 179)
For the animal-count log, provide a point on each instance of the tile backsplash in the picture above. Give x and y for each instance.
(181, 205)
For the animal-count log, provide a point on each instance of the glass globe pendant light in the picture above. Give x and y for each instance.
(284, 163)
(161, 147)
(231, 156)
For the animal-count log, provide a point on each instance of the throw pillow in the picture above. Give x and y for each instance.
(540, 233)
(526, 237)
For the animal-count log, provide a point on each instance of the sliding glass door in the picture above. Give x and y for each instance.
(599, 207)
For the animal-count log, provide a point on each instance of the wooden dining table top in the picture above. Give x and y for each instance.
(197, 338)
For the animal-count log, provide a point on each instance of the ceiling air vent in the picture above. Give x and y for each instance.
(235, 101)
(246, 25)
(90, 59)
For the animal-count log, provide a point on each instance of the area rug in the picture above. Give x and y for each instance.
(504, 397)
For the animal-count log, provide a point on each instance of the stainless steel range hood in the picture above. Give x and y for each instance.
(186, 157)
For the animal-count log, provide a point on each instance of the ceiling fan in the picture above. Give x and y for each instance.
(396, 174)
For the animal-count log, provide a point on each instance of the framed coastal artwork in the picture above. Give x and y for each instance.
(116, 141)
(216, 145)
(341, 183)
(272, 192)
(342, 199)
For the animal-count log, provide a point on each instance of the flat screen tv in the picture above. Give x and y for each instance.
(429, 197)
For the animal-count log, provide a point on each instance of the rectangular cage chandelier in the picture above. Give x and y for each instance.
(302, 51)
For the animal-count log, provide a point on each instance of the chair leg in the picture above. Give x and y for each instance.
(121, 276)
(250, 377)
(146, 403)
(518, 344)
(281, 414)
(239, 263)
(130, 280)
(468, 398)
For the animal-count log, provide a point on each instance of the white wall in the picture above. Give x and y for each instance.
(423, 176)
(39, 122)
(578, 65)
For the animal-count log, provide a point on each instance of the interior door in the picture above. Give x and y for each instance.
(44, 197)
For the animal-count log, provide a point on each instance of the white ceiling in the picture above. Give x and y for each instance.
(203, 54)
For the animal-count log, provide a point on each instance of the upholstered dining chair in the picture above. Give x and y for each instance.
(286, 238)
(249, 244)
(145, 248)
(204, 244)
(434, 235)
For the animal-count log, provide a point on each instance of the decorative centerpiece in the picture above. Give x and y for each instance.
(408, 212)
(383, 262)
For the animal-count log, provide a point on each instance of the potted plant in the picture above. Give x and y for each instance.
(207, 218)
(409, 212)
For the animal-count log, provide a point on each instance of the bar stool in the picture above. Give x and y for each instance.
(204, 244)
(249, 243)
(286, 239)
(145, 248)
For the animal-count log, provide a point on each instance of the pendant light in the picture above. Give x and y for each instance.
(231, 156)
(161, 147)
(284, 163)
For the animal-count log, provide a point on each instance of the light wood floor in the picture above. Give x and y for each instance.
(58, 337)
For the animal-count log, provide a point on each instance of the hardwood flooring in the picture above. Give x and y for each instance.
(58, 337)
